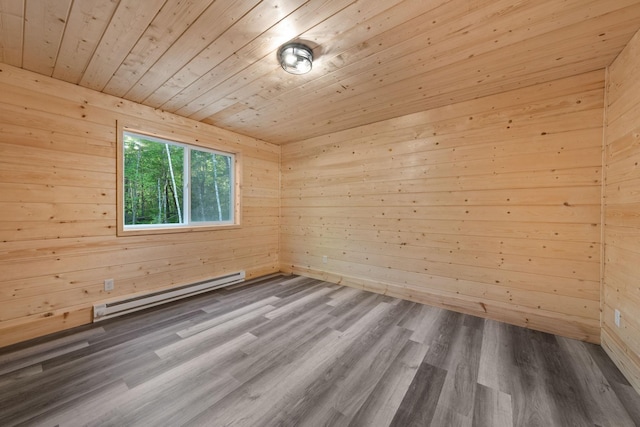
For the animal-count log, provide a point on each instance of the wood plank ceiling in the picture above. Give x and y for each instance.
(215, 60)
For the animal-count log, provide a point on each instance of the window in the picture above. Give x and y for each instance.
(168, 185)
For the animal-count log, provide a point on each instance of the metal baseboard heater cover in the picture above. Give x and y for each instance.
(129, 305)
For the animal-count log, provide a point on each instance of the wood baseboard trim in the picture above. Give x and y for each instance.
(569, 326)
(628, 363)
(37, 325)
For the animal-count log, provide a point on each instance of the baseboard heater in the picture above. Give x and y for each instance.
(129, 305)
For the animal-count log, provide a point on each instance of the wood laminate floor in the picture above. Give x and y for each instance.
(292, 351)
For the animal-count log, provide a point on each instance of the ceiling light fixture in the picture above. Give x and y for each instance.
(295, 58)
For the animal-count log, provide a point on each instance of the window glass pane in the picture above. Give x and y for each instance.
(153, 181)
(211, 186)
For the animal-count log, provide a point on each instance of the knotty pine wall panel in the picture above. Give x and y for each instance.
(58, 202)
(621, 282)
(489, 207)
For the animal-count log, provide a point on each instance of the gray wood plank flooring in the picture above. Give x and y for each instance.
(293, 351)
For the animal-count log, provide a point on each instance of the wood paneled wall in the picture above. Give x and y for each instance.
(490, 207)
(58, 207)
(621, 283)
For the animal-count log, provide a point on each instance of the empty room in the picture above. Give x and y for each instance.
(320, 213)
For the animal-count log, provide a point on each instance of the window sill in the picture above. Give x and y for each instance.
(171, 230)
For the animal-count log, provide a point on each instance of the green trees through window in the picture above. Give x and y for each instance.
(172, 184)
(211, 186)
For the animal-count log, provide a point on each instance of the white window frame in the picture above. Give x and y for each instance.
(187, 224)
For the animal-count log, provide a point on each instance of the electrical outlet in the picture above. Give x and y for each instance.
(617, 317)
(108, 285)
(324, 259)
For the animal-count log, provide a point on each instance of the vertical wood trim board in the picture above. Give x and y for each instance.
(58, 201)
(602, 200)
(489, 207)
(621, 281)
